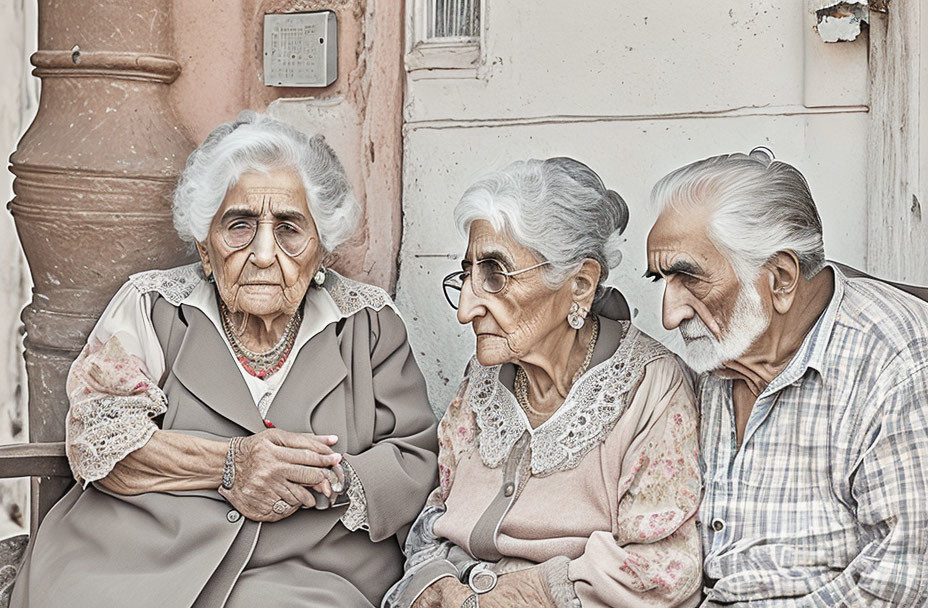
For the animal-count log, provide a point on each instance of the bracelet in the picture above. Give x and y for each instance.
(228, 469)
(479, 577)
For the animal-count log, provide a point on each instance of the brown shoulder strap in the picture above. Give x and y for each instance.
(916, 290)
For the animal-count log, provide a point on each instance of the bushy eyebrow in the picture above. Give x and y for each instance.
(678, 267)
(650, 274)
(491, 254)
(240, 212)
(496, 254)
(292, 216)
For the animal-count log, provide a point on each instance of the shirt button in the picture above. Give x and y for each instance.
(233, 516)
(718, 525)
(508, 489)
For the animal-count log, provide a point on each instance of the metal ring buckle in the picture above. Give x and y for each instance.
(481, 579)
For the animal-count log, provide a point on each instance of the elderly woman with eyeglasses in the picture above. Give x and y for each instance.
(568, 462)
(249, 430)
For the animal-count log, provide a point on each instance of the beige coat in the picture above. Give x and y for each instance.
(357, 379)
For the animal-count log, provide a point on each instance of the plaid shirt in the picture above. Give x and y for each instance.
(826, 501)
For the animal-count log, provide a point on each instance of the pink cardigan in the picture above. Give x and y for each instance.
(609, 485)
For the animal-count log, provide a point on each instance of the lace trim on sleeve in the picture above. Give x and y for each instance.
(355, 518)
(113, 401)
(421, 544)
(426, 558)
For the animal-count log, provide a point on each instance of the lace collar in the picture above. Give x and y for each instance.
(176, 284)
(592, 408)
(173, 284)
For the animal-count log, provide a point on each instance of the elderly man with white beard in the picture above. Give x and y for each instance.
(813, 389)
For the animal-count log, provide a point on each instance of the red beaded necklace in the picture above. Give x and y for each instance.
(262, 365)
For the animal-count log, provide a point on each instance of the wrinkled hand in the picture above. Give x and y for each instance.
(526, 588)
(447, 592)
(276, 464)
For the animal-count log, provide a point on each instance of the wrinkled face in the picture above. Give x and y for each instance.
(513, 322)
(261, 278)
(718, 319)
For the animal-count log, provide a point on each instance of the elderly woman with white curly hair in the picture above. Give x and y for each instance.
(249, 430)
(568, 469)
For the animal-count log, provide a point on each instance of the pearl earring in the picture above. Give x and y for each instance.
(319, 277)
(576, 316)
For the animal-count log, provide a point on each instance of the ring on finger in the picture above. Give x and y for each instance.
(281, 506)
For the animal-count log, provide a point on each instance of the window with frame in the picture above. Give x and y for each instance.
(453, 20)
(446, 37)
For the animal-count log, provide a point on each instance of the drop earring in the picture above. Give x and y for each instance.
(319, 277)
(576, 316)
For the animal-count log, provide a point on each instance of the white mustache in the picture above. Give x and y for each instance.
(694, 329)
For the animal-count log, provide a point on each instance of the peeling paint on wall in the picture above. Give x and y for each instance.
(841, 21)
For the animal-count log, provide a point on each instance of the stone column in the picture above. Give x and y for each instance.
(94, 176)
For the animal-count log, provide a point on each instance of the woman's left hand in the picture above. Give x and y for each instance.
(275, 468)
(526, 588)
(447, 592)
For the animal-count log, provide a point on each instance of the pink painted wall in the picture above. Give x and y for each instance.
(360, 114)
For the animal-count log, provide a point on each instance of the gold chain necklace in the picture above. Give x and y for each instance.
(521, 380)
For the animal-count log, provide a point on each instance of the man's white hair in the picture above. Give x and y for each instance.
(258, 143)
(759, 206)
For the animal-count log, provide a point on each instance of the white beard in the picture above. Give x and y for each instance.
(704, 353)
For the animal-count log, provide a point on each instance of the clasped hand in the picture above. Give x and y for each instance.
(276, 465)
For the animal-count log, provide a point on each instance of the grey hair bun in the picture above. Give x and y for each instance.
(613, 244)
(762, 154)
(615, 200)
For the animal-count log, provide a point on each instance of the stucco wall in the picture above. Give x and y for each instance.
(634, 90)
(359, 114)
(18, 100)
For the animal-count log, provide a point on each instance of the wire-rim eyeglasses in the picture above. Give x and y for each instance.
(491, 279)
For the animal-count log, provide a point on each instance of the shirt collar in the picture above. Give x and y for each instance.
(811, 353)
(319, 310)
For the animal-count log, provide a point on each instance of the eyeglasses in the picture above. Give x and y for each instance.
(489, 278)
(240, 233)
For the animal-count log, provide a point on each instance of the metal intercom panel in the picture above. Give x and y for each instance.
(300, 49)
